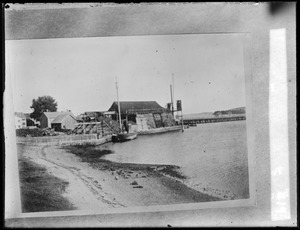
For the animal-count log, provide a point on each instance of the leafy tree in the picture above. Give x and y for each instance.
(43, 104)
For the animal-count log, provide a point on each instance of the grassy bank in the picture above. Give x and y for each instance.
(41, 191)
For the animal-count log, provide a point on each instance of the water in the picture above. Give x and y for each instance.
(213, 156)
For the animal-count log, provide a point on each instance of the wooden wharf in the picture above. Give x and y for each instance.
(212, 120)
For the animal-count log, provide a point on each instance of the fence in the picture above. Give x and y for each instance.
(59, 140)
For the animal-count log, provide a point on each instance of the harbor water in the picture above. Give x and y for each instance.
(213, 156)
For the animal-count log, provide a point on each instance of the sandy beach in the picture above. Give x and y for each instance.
(104, 184)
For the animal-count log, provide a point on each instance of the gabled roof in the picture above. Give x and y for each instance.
(55, 114)
(61, 117)
(20, 115)
(58, 116)
(135, 106)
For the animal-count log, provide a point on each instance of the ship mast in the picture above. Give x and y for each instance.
(119, 109)
(172, 106)
(172, 95)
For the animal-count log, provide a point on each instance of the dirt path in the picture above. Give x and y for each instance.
(83, 191)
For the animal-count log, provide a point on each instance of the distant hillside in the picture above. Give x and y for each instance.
(239, 110)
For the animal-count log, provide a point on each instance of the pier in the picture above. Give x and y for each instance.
(213, 119)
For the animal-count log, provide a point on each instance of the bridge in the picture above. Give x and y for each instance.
(212, 119)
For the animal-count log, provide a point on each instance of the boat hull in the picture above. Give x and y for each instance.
(160, 130)
(121, 137)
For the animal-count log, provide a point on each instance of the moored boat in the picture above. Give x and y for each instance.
(121, 137)
(160, 130)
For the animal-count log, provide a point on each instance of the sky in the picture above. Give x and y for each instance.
(80, 73)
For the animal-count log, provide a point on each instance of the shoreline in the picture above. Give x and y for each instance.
(169, 176)
(95, 183)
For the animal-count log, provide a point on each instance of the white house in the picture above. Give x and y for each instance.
(20, 120)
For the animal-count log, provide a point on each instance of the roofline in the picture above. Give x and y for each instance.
(62, 112)
(63, 119)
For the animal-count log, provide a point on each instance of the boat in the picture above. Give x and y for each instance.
(122, 136)
(160, 130)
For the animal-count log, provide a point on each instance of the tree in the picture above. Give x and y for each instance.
(43, 104)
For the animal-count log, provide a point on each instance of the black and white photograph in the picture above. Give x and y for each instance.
(130, 121)
(118, 123)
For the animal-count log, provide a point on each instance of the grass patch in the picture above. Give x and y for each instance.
(41, 191)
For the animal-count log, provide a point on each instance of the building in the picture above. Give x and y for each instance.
(91, 116)
(145, 114)
(30, 122)
(64, 121)
(109, 114)
(134, 107)
(20, 120)
(58, 120)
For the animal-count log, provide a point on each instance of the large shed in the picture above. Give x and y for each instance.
(64, 121)
(61, 120)
(133, 107)
(145, 114)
